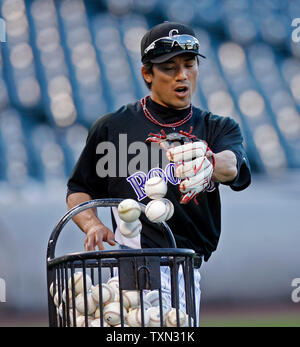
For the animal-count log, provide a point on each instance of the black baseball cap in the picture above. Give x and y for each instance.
(166, 29)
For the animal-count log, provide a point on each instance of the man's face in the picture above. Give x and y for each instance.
(174, 82)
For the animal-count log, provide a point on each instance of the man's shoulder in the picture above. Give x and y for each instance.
(108, 119)
(211, 118)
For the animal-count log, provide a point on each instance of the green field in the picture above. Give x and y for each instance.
(209, 318)
(252, 320)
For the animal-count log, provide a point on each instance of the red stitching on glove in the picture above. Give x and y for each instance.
(213, 161)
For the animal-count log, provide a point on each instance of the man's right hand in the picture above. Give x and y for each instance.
(96, 235)
(88, 221)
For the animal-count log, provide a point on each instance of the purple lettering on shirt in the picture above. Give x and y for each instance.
(156, 172)
(137, 181)
(170, 170)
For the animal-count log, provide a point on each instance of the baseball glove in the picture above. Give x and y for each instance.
(193, 166)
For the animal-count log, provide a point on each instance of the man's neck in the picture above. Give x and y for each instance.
(162, 103)
(165, 113)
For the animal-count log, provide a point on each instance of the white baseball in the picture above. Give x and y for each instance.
(156, 187)
(169, 206)
(153, 298)
(79, 282)
(51, 289)
(171, 318)
(156, 211)
(70, 313)
(60, 310)
(117, 295)
(80, 321)
(130, 229)
(120, 326)
(97, 323)
(131, 298)
(147, 304)
(154, 314)
(91, 305)
(134, 317)
(64, 297)
(108, 293)
(114, 281)
(56, 299)
(97, 313)
(112, 313)
(77, 314)
(129, 210)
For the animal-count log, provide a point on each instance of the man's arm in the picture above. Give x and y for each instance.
(225, 166)
(88, 221)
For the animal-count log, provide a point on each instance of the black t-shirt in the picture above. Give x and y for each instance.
(118, 139)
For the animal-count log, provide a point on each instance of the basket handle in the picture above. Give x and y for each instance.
(90, 204)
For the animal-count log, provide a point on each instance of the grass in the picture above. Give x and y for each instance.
(226, 317)
(251, 320)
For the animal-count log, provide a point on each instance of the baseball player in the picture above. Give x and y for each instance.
(211, 154)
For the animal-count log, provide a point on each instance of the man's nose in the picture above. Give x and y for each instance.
(181, 73)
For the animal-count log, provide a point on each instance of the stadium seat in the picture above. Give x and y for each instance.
(66, 63)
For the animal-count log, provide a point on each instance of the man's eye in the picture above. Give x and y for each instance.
(169, 68)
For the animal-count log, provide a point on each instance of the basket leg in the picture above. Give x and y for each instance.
(193, 295)
(52, 315)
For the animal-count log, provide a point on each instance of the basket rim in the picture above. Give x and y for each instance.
(86, 255)
(111, 202)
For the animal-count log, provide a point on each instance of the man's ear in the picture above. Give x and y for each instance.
(147, 75)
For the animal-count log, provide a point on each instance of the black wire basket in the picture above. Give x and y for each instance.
(122, 287)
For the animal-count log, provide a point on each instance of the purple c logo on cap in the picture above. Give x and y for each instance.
(173, 32)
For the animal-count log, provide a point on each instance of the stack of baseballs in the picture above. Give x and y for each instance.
(92, 305)
(111, 308)
(159, 209)
(129, 212)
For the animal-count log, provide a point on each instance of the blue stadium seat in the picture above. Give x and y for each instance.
(66, 63)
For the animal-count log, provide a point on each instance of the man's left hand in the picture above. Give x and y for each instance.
(195, 174)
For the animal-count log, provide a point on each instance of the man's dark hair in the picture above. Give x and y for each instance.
(149, 68)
